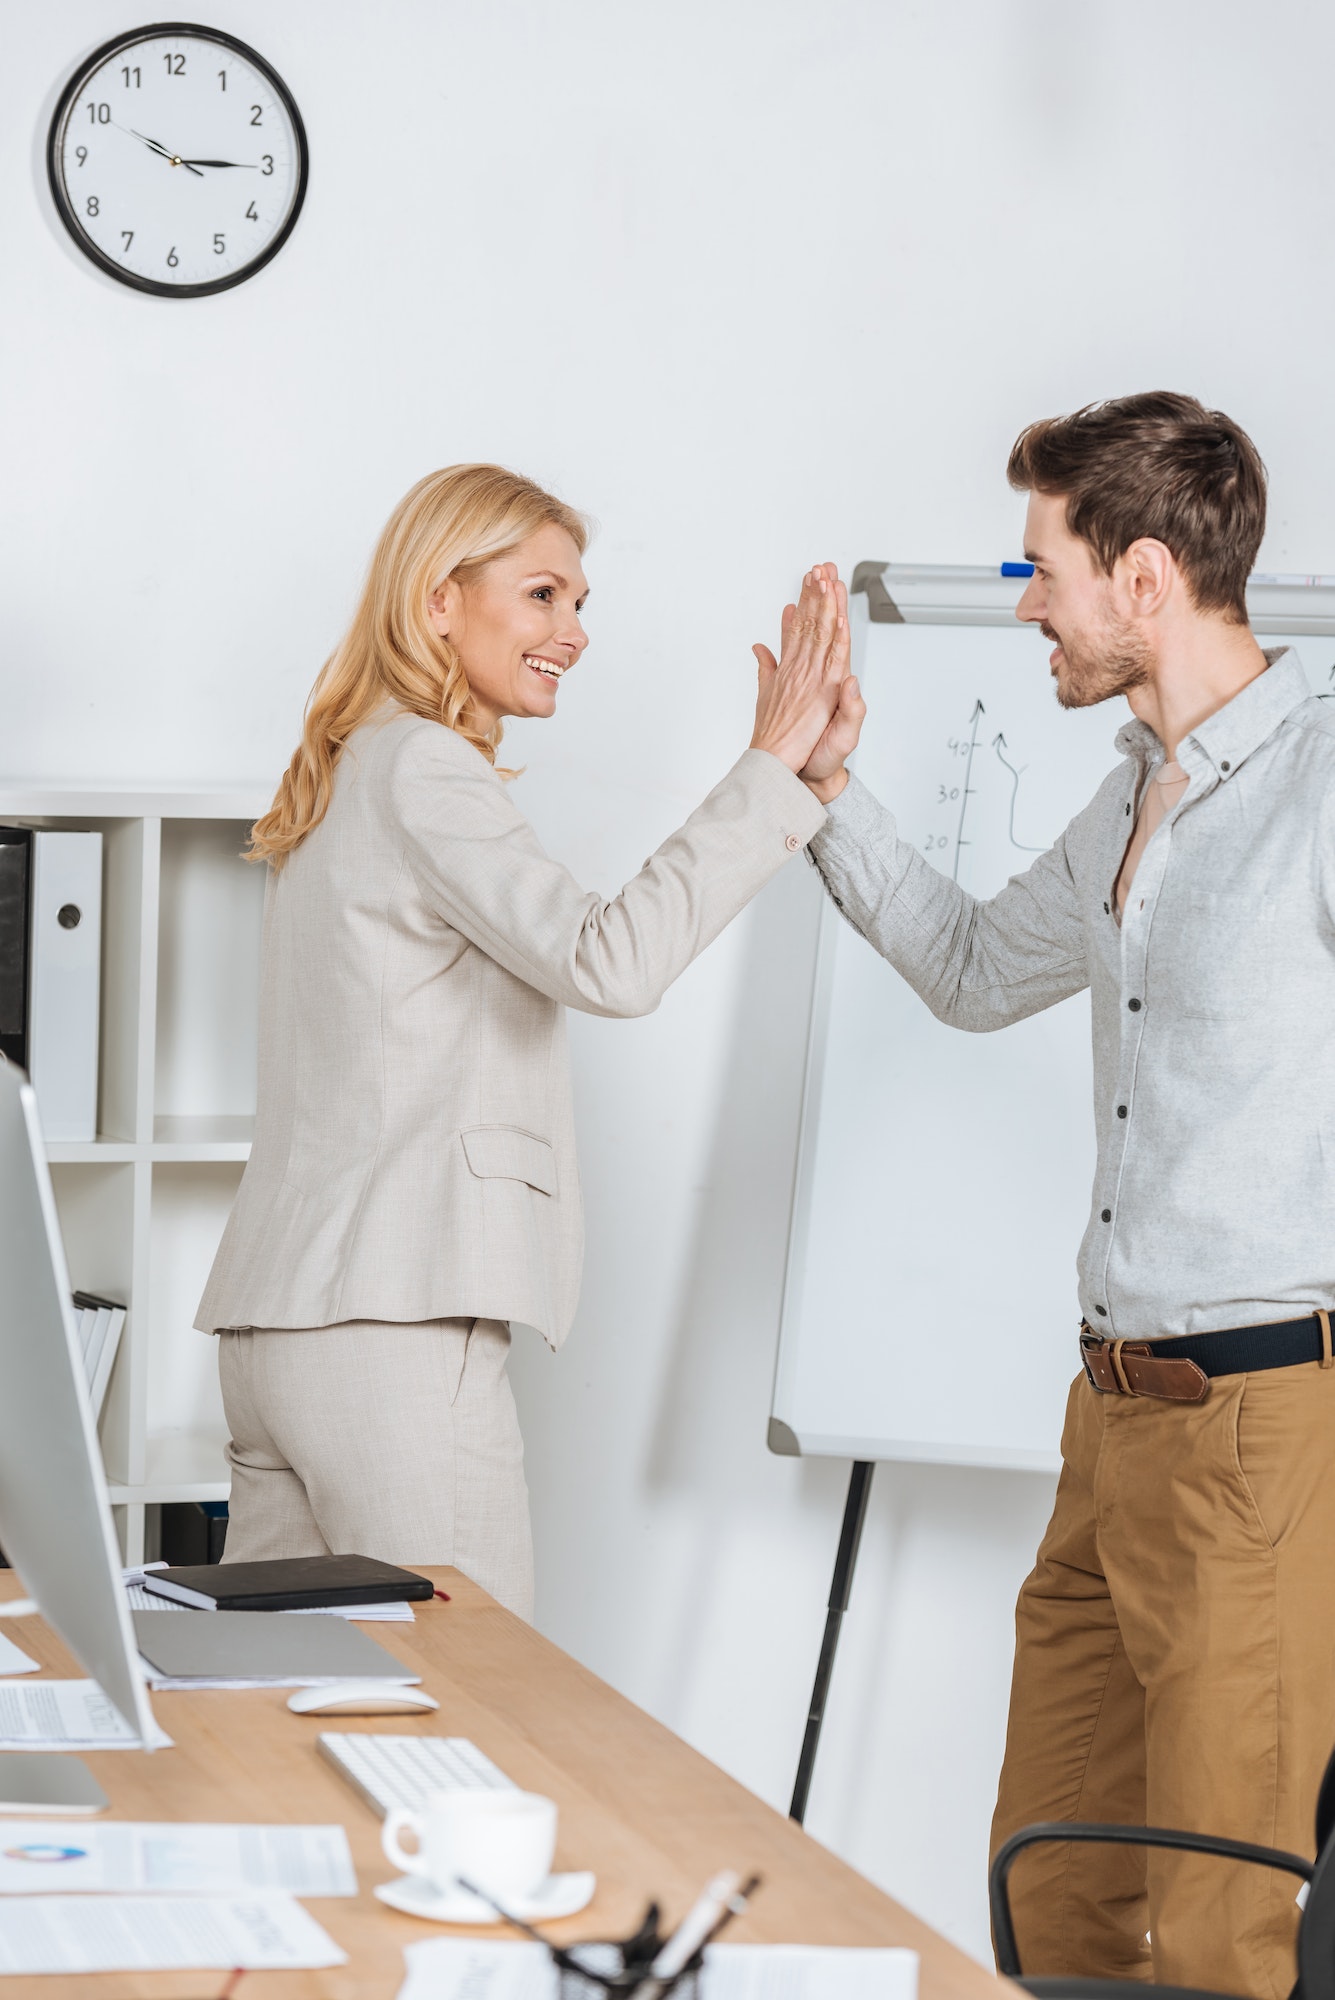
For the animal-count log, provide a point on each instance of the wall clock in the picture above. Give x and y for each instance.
(177, 159)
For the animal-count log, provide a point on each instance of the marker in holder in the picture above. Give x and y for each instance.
(644, 1966)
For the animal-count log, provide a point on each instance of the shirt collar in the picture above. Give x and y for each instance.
(1242, 725)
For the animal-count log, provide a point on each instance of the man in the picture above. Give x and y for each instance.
(1175, 1657)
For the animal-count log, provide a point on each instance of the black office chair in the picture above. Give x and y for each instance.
(1316, 1931)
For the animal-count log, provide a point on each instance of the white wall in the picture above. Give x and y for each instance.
(756, 282)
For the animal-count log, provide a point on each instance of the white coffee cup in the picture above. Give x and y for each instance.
(500, 1841)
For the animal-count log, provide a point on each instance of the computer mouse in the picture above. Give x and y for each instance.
(361, 1698)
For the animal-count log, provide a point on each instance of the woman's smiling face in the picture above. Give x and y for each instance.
(515, 625)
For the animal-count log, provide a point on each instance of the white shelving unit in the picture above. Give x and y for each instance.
(143, 1204)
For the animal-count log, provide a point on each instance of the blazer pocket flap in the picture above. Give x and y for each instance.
(503, 1152)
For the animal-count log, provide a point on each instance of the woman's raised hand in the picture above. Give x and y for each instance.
(799, 708)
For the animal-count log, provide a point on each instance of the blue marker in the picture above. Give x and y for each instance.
(1017, 569)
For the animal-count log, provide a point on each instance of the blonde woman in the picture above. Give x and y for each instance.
(412, 1188)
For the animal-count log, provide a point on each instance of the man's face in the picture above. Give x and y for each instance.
(1099, 651)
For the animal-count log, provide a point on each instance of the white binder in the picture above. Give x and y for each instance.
(63, 994)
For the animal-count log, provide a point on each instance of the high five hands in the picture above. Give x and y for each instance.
(809, 708)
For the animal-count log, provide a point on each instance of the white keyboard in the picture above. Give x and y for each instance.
(404, 1770)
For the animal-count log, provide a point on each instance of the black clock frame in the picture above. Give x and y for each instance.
(65, 208)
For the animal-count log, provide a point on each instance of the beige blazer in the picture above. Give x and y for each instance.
(414, 1153)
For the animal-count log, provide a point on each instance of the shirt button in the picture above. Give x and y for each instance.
(1128, 814)
(1226, 766)
(1121, 1111)
(792, 842)
(1107, 909)
(1134, 1005)
(1102, 1311)
(1107, 1215)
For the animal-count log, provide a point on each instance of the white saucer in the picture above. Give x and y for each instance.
(558, 1896)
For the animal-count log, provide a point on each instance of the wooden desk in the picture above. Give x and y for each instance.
(648, 1814)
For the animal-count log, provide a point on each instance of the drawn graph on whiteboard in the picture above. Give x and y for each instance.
(982, 802)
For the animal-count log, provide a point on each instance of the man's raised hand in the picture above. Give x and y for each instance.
(824, 769)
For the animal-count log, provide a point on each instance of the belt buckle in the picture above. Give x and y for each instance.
(1091, 1343)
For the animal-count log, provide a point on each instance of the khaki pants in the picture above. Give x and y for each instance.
(396, 1441)
(1175, 1666)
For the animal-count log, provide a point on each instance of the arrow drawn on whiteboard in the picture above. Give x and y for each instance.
(999, 745)
(960, 841)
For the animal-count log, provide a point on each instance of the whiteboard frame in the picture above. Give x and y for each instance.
(965, 594)
(952, 594)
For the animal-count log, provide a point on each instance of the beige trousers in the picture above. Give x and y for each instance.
(1175, 1666)
(379, 1439)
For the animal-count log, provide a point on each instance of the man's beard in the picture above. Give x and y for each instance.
(1116, 662)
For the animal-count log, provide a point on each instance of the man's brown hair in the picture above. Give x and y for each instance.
(1160, 465)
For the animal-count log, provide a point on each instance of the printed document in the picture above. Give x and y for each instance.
(809, 1972)
(39, 1858)
(62, 1715)
(12, 1661)
(260, 1933)
(478, 1969)
(492, 1969)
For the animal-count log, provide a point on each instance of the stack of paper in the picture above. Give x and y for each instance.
(400, 1613)
(167, 1897)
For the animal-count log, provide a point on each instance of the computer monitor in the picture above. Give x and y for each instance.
(55, 1517)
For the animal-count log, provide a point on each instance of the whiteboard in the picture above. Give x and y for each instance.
(943, 1180)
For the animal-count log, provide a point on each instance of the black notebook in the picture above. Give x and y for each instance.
(290, 1583)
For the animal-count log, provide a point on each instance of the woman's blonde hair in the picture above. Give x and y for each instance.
(451, 524)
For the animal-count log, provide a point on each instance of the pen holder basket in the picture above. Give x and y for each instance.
(600, 1972)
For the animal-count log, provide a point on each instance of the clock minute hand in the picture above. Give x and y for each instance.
(156, 147)
(249, 166)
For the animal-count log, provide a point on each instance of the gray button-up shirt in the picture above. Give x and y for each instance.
(1213, 1003)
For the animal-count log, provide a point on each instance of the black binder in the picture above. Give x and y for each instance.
(15, 918)
(288, 1583)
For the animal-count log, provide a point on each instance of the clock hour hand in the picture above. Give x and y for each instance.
(156, 147)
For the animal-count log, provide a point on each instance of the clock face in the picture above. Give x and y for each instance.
(177, 159)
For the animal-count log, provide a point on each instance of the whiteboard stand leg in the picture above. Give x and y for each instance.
(841, 1589)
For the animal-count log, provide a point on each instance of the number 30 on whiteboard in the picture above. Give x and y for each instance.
(177, 159)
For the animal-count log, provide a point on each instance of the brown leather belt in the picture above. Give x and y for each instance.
(1179, 1370)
